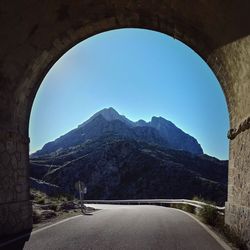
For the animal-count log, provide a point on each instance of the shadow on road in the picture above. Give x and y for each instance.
(16, 242)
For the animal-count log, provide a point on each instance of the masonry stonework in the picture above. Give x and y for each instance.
(35, 34)
(237, 214)
(15, 206)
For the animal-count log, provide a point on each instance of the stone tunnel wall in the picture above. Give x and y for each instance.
(234, 74)
(237, 214)
(15, 206)
(31, 42)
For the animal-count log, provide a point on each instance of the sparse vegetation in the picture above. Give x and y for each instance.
(199, 198)
(188, 208)
(46, 208)
(185, 207)
(233, 237)
(41, 201)
(209, 215)
(54, 207)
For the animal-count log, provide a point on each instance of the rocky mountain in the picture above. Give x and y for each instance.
(109, 114)
(108, 121)
(121, 159)
(114, 167)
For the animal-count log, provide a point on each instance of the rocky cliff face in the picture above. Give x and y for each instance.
(176, 137)
(108, 121)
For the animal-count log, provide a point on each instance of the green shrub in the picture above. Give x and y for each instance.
(198, 198)
(188, 208)
(209, 215)
(176, 205)
(41, 200)
(185, 207)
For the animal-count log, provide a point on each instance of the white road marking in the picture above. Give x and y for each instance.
(37, 231)
(216, 237)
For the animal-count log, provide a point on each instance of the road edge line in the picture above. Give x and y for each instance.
(38, 230)
(214, 235)
(54, 224)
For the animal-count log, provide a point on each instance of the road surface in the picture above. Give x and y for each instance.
(118, 227)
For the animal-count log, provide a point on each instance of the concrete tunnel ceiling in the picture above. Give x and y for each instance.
(35, 34)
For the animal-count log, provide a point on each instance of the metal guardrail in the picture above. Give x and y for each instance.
(162, 202)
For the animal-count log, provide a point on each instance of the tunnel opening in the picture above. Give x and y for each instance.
(145, 179)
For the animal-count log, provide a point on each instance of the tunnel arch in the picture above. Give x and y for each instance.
(33, 41)
(175, 41)
(71, 38)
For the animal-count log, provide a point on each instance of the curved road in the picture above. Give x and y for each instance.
(125, 227)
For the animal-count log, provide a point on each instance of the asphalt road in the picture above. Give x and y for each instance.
(124, 227)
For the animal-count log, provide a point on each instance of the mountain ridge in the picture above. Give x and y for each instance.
(157, 131)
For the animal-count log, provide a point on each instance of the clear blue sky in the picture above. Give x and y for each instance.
(141, 74)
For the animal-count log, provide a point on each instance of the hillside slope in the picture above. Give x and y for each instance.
(114, 167)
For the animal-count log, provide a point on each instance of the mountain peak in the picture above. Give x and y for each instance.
(109, 114)
(158, 129)
(159, 118)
